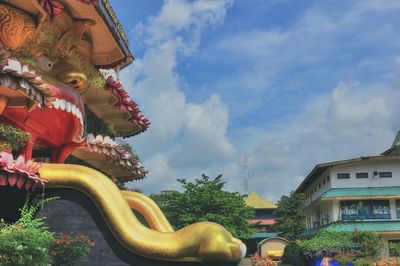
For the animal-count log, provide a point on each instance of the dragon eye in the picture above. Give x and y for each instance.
(44, 63)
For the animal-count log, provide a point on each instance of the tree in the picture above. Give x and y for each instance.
(205, 200)
(290, 217)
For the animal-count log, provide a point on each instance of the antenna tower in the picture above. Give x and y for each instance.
(246, 173)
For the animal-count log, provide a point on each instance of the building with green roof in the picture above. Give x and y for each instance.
(360, 193)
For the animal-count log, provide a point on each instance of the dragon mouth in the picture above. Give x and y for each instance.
(68, 103)
(71, 109)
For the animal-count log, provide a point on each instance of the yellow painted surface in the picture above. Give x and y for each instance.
(204, 241)
(255, 201)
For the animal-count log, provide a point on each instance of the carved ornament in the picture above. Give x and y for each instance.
(16, 28)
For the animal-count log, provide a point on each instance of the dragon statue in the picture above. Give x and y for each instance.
(50, 73)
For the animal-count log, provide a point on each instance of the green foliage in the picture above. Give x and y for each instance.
(290, 217)
(293, 254)
(363, 262)
(70, 249)
(205, 200)
(26, 242)
(320, 245)
(370, 244)
(394, 249)
(366, 245)
(108, 130)
(128, 148)
(345, 257)
(16, 138)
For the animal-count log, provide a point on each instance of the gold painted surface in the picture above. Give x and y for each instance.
(62, 41)
(198, 242)
(255, 201)
(148, 209)
(16, 28)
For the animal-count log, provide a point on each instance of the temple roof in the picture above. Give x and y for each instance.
(255, 201)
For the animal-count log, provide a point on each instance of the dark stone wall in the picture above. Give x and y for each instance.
(75, 212)
(11, 200)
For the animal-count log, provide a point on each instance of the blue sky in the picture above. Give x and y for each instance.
(293, 83)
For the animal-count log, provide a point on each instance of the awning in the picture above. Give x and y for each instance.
(362, 193)
(381, 227)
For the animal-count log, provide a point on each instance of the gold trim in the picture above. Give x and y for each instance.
(115, 19)
(197, 242)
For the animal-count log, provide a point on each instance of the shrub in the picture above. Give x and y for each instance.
(293, 254)
(25, 242)
(69, 249)
(345, 257)
(257, 260)
(369, 243)
(12, 138)
(394, 261)
(394, 249)
(321, 245)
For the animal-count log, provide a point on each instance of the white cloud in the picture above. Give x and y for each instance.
(340, 121)
(351, 121)
(185, 139)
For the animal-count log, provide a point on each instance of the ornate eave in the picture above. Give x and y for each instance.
(110, 158)
(114, 105)
(110, 44)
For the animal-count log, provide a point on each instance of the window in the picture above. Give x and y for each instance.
(327, 178)
(398, 208)
(343, 176)
(361, 175)
(319, 185)
(365, 209)
(385, 174)
(315, 189)
(323, 182)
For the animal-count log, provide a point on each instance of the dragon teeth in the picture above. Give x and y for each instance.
(13, 65)
(68, 107)
(73, 110)
(56, 104)
(62, 105)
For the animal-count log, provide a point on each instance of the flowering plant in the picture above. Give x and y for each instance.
(392, 261)
(70, 249)
(257, 260)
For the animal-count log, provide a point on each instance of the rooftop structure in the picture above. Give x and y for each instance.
(69, 42)
(362, 193)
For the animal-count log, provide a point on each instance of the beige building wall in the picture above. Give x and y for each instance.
(272, 244)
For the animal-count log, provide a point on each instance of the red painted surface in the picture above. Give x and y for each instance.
(49, 128)
(263, 222)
